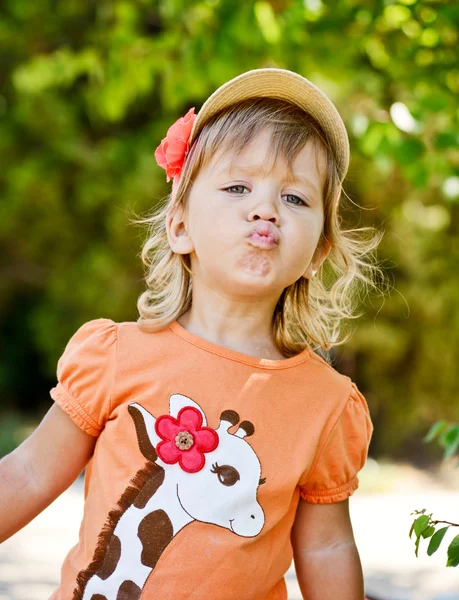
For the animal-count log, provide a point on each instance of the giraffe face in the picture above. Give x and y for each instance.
(224, 491)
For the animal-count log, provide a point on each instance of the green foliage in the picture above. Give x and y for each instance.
(436, 540)
(447, 436)
(89, 90)
(424, 527)
(453, 553)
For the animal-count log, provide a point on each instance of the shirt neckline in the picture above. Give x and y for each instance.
(262, 363)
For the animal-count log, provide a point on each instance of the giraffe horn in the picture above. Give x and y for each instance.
(229, 416)
(245, 428)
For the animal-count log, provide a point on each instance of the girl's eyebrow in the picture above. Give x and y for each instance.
(263, 171)
(305, 181)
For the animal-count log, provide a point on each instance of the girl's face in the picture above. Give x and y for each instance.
(224, 207)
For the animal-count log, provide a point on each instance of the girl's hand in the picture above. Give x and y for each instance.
(40, 469)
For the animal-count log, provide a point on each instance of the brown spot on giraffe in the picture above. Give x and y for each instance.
(128, 591)
(111, 558)
(150, 488)
(98, 597)
(155, 533)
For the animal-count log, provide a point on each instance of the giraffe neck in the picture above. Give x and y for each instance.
(142, 534)
(164, 499)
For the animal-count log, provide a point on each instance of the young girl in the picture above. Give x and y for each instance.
(218, 444)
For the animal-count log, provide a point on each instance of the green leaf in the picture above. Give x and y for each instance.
(415, 512)
(437, 540)
(443, 437)
(416, 546)
(428, 531)
(435, 429)
(420, 524)
(451, 440)
(453, 553)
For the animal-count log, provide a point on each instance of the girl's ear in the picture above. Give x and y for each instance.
(320, 255)
(177, 235)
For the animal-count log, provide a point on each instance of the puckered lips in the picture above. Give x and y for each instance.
(263, 235)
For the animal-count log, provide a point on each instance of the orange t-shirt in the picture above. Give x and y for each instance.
(201, 457)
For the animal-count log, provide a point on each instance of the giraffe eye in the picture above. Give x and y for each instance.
(226, 474)
(262, 481)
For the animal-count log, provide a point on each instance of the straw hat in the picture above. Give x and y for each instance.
(284, 85)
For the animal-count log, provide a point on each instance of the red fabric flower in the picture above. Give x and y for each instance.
(184, 440)
(171, 153)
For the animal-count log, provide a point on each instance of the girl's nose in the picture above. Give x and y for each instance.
(266, 210)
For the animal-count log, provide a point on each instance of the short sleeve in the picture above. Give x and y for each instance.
(333, 477)
(86, 373)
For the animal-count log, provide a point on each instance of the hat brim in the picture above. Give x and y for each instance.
(284, 85)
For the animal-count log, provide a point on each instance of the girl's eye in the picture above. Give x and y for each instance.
(302, 202)
(232, 187)
(298, 203)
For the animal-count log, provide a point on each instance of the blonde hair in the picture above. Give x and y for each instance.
(309, 311)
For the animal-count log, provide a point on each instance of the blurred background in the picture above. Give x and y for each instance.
(88, 91)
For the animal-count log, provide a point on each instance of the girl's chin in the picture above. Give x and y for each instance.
(256, 265)
(249, 283)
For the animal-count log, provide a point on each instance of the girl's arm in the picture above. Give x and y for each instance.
(40, 469)
(327, 562)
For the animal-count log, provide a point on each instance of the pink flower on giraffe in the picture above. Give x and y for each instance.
(184, 440)
(171, 153)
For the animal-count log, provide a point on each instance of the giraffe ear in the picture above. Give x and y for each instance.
(144, 423)
(178, 401)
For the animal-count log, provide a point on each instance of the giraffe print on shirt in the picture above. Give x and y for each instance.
(198, 474)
